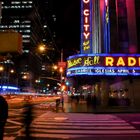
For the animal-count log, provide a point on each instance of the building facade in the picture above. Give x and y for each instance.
(109, 34)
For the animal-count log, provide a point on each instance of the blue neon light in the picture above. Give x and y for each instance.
(100, 68)
(90, 27)
(91, 16)
(106, 29)
(81, 27)
(108, 71)
(5, 87)
(9, 87)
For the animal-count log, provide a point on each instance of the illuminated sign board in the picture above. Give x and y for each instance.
(86, 26)
(103, 64)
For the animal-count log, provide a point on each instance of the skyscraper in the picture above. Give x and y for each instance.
(30, 18)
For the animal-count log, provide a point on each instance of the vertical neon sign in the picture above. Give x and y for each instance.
(86, 26)
(106, 28)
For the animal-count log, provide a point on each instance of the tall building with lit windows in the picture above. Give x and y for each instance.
(18, 16)
(29, 18)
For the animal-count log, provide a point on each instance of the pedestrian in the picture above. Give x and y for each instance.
(57, 104)
(94, 101)
(62, 100)
(3, 115)
(28, 118)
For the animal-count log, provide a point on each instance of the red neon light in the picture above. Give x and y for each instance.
(106, 2)
(86, 1)
(86, 25)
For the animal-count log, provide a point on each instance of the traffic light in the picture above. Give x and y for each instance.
(67, 83)
(63, 87)
(61, 70)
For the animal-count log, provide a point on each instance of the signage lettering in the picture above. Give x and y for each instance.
(86, 25)
(109, 61)
(132, 61)
(122, 61)
(74, 62)
(104, 64)
(91, 61)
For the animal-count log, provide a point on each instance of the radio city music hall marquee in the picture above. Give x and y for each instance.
(103, 64)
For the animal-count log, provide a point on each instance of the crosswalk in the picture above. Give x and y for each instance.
(77, 125)
(15, 121)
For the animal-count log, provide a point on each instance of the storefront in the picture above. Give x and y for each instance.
(107, 76)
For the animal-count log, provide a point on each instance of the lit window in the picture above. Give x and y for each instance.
(26, 41)
(15, 2)
(45, 26)
(25, 51)
(16, 21)
(26, 36)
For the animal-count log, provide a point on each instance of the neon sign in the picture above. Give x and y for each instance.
(106, 27)
(123, 61)
(86, 26)
(83, 61)
(103, 64)
(86, 13)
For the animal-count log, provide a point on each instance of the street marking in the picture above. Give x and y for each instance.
(14, 122)
(81, 127)
(83, 124)
(135, 122)
(60, 118)
(88, 132)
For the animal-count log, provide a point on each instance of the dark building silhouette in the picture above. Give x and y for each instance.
(32, 19)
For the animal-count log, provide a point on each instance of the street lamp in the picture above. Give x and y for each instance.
(55, 67)
(42, 48)
(12, 71)
(1, 70)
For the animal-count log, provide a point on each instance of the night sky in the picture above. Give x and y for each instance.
(68, 26)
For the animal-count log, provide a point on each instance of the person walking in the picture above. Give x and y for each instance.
(3, 115)
(28, 118)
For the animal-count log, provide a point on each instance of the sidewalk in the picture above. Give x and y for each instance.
(84, 108)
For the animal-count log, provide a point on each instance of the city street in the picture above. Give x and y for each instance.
(70, 70)
(49, 124)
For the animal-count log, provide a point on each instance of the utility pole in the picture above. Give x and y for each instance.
(62, 69)
(61, 66)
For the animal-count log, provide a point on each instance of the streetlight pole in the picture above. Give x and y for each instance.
(61, 73)
(1, 72)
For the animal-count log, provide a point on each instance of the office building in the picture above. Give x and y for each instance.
(27, 18)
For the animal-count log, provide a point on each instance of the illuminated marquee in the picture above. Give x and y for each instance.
(86, 26)
(103, 64)
(122, 61)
